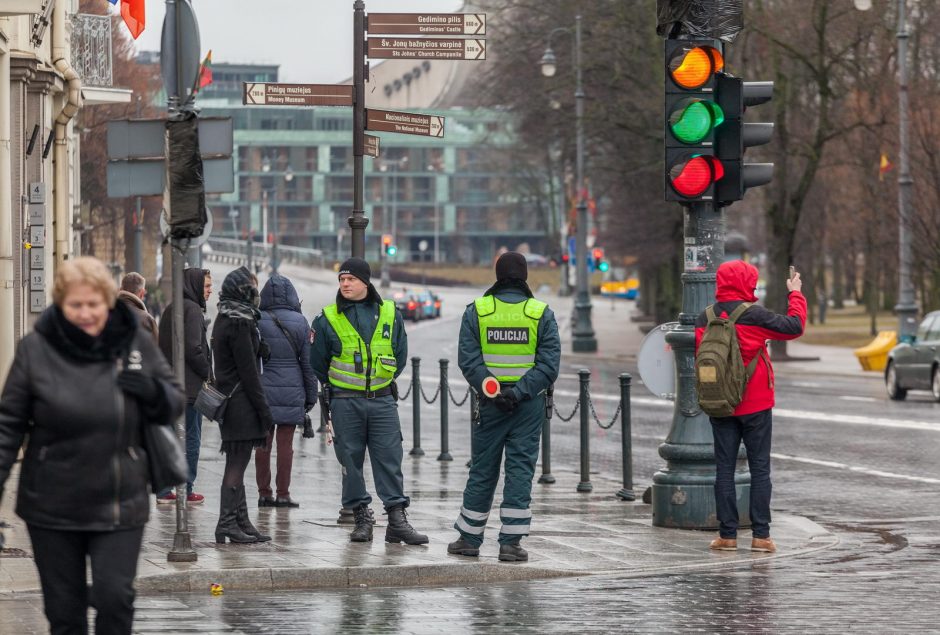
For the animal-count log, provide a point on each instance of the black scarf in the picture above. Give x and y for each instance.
(239, 298)
(67, 338)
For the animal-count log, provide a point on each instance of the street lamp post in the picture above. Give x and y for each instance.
(288, 175)
(583, 339)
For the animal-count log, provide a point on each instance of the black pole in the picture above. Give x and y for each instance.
(584, 377)
(358, 222)
(626, 441)
(546, 476)
(474, 418)
(445, 454)
(416, 407)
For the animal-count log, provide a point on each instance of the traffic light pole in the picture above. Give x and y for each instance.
(683, 493)
(358, 222)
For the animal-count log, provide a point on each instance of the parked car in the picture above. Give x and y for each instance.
(430, 304)
(916, 365)
(409, 305)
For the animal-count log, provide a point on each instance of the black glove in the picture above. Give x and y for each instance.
(138, 385)
(506, 401)
(308, 427)
(264, 351)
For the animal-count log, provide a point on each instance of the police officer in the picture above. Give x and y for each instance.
(359, 348)
(512, 337)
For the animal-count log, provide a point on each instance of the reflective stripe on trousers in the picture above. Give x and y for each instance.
(515, 521)
(471, 522)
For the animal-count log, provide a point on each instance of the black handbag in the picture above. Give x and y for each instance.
(165, 456)
(212, 402)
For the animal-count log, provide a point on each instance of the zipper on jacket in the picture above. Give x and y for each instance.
(116, 460)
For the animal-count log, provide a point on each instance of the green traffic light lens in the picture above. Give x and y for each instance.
(392, 250)
(692, 120)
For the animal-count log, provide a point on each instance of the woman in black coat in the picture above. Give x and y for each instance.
(81, 387)
(238, 353)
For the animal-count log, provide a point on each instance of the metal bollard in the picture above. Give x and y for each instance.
(416, 407)
(584, 377)
(626, 441)
(546, 476)
(445, 454)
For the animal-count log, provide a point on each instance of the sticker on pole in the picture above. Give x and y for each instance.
(491, 387)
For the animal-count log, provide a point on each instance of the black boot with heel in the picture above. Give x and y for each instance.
(244, 523)
(228, 519)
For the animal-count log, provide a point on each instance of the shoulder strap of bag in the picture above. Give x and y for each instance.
(286, 334)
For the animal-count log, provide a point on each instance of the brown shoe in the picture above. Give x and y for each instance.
(724, 544)
(763, 544)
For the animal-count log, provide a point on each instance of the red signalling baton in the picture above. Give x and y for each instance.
(491, 387)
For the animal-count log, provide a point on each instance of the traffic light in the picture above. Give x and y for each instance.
(387, 246)
(735, 136)
(692, 119)
(599, 263)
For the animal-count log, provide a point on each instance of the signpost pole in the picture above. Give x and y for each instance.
(358, 222)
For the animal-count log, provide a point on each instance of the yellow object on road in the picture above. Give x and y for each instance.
(874, 356)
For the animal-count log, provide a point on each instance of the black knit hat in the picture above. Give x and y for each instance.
(511, 265)
(357, 267)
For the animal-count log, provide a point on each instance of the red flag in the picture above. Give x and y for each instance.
(884, 166)
(205, 72)
(135, 17)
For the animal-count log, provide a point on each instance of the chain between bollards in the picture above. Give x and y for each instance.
(626, 441)
(584, 380)
(416, 407)
(546, 476)
(443, 390)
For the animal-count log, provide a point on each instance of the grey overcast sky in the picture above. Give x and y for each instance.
(310, 39)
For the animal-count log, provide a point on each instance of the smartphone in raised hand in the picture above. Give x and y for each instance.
(792, 271)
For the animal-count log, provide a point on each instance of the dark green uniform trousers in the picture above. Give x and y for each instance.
(518, 433)
(358, 424)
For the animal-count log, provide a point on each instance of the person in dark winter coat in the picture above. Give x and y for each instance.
(289, 385)
(751, 422)
(197, 287)
(82, 386)
(132, 293)
(240, 355)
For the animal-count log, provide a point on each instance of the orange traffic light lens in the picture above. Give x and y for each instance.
(692, 68)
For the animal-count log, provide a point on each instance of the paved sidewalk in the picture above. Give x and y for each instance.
(574, 534)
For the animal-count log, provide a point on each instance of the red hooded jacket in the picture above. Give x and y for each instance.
(735, 283)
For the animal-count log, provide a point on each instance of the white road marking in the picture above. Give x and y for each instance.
(855, 468)
(854, 398)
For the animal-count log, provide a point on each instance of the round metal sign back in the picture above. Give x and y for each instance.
(657, 362)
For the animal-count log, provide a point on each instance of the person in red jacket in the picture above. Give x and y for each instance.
(736, 282)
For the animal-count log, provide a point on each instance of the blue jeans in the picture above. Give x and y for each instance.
(755, 430)
(193, 442)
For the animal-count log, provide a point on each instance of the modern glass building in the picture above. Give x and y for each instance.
(294, 172)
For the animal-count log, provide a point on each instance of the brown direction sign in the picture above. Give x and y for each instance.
(437, 48)
(404, 122)
(427, 23)
(371, 145)
(270, 94)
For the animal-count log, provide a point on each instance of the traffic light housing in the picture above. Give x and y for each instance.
(387, 246)
(735, 137)
(693, 118)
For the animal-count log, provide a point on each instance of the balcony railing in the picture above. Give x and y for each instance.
(91, 48)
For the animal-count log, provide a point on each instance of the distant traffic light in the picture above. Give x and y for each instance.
(692, 118)
(387, 246)
(597, 254)
(735, 136)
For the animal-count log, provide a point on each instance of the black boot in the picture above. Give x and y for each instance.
(461, 547)
(244, 523)
(364, 522)
(513, 553)
(228, 518)
(400, 530)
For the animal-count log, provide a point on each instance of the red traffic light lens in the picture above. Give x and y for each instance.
(693, 176)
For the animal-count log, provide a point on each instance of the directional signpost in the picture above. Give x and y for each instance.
(372, 145)
(270, 94)
(427, 23)
(438, 48)
(404, 122)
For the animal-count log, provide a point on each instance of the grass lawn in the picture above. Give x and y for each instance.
(850, 326)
